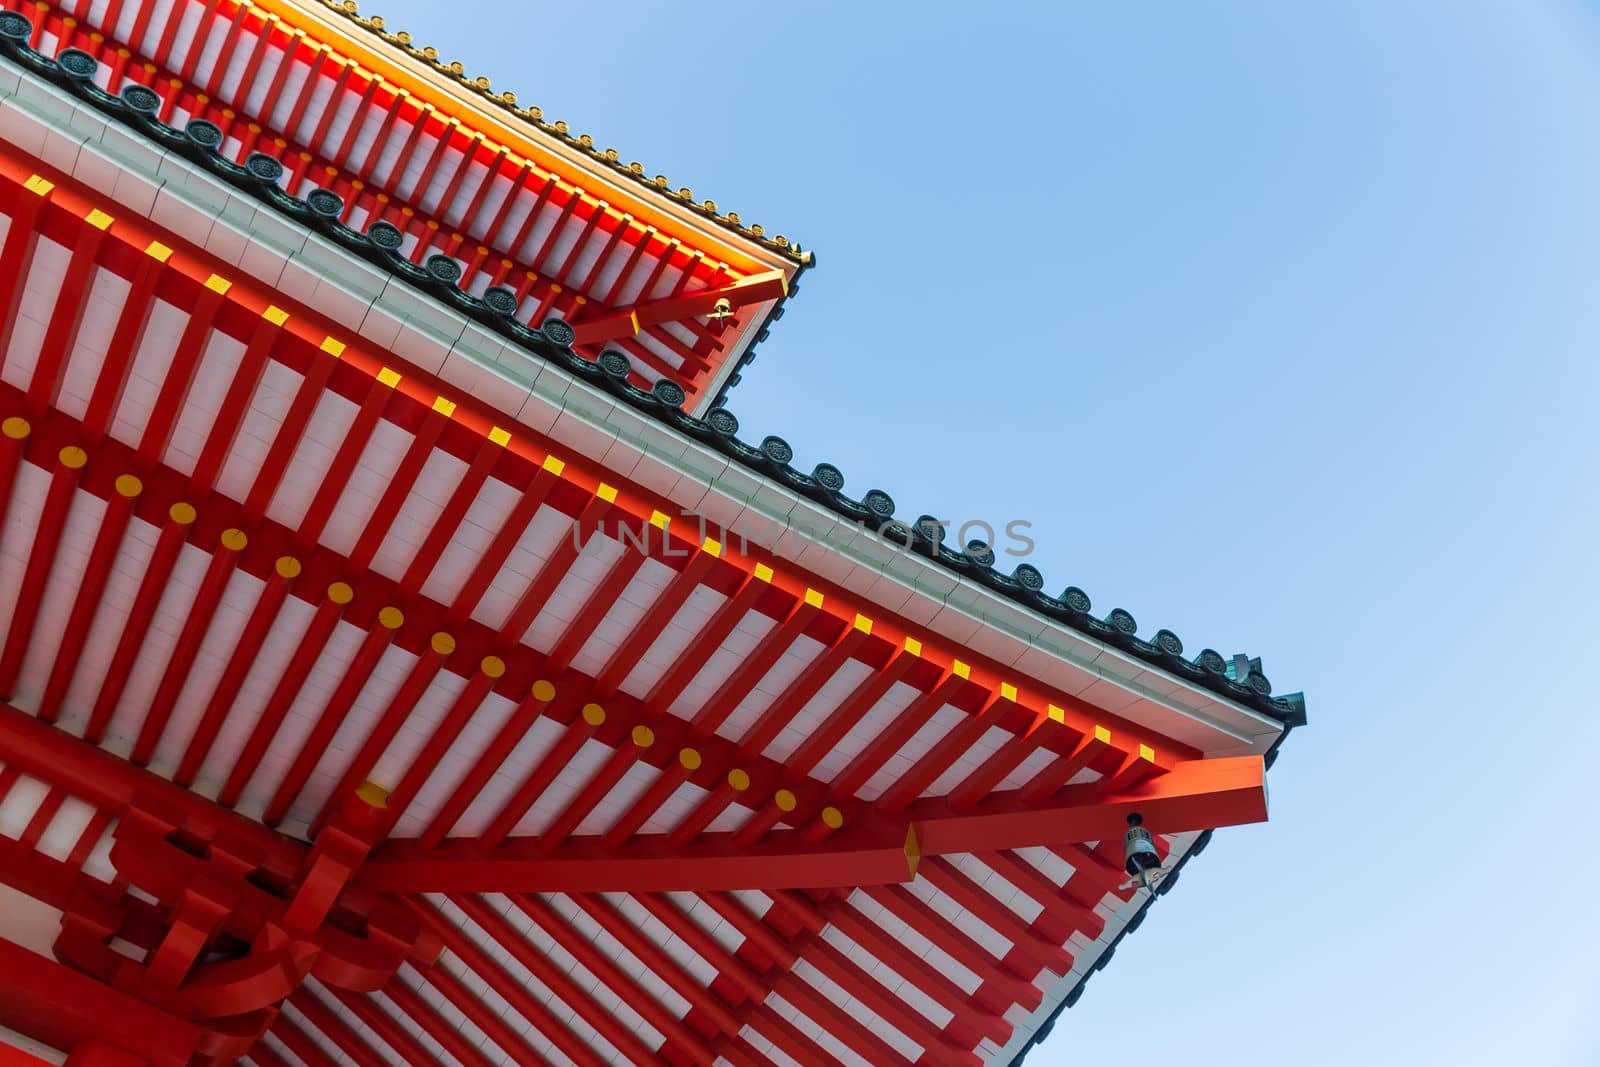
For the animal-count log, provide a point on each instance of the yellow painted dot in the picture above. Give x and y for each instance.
(784, 799)
(287, 567)
(129, 485)
(493, 666)
(690, 759)
(543, 691)
(442, 643)
(181, 513)
(73, 458)
(16, 427)
(341, 593)
(234, 540)
(594, 714)
(391, 617)
(373, 794)
(739, 780)
(832, 817)
(643, 736)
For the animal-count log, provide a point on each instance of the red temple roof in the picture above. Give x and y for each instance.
(375, 692)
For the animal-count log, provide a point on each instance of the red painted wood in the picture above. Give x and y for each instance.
(36, 573)
(283, 696)
(231, 682)
(151, 589)
(85, 603)
(507, 986)
(61, 1007)
(224, 560)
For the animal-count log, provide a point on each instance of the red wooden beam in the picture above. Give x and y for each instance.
(224, 559)
(755, 289)
(950, 939)
(455, 991)
(612, 976)
(284, 693)
(444, 735)
(504, 983)
(65, 1008)
(644, 865)
(66, 317)
(104, 781)
(152, 587)
(774, 949)
(907, 964)
(41, 558)
(1199, 794)
(1195, 795)
(382, 732)
(510, 734)
(229, 685)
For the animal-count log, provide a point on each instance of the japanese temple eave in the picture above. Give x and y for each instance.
(420, 70)
(587, 406)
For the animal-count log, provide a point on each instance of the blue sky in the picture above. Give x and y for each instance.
(1280, 323)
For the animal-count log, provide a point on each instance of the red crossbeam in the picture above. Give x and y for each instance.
(67, 1009)
(1197, 794)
